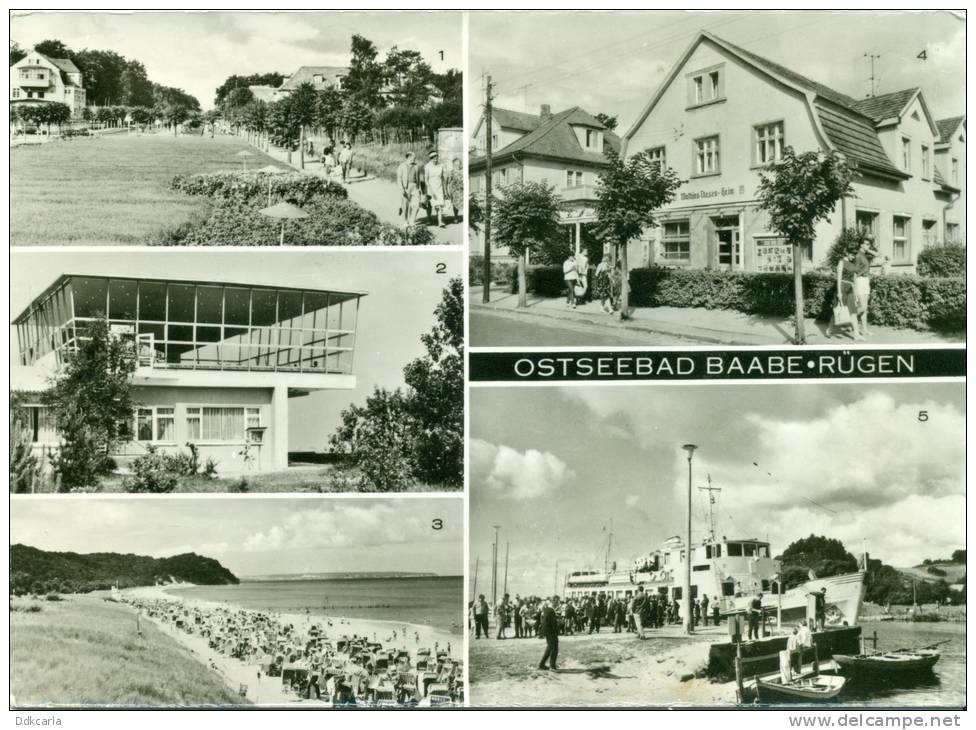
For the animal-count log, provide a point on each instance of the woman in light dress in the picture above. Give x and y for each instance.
(434, 178)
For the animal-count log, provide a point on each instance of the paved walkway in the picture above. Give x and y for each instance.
(712, 326)
(377, 195)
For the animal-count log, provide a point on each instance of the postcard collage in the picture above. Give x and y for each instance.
(460, 360)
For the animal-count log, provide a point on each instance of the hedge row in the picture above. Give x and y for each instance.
(501, 271)
(947, 260)
(246, 186)
(913, 302)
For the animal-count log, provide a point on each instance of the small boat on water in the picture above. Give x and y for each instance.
(888, 662)
(816, 688)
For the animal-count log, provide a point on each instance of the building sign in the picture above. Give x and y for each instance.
(773, 254)
(722, 192)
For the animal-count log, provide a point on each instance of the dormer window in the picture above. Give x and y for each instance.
(706, 86)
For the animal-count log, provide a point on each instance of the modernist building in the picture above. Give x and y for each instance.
(723, 112)
(36, 78)
(564, 150)
(217, 363)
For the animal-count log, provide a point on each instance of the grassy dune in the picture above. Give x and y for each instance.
(85, 650)
(111, 190)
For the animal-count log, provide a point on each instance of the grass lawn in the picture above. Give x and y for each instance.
(85, 650)
(111, 190)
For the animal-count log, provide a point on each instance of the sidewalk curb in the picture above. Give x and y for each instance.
(700, 335)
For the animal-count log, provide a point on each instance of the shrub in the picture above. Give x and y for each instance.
(391, 235)
(240, 486)
(848, 242)
(903, 301)
(294, 187)
(932, 570)
(502, 272)
(53, 597)
(210, 468)
(942, 261)
(150, 474)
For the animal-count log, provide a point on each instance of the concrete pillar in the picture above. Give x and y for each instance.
(577, 238)
(279, 429)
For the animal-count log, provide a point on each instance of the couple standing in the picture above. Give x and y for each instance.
(576, 274)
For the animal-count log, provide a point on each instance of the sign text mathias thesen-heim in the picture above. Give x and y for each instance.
(761, 365)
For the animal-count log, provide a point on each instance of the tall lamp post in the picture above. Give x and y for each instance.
(686, 583)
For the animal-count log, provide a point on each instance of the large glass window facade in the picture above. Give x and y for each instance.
(198, 325)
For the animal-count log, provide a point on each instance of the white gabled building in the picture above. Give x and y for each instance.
(723, 112)
(36, 78)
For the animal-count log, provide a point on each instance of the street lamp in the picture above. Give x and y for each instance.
(271, 171)
(686, 585)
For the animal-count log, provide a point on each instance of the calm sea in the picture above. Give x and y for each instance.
(945, 687)
(435, 602)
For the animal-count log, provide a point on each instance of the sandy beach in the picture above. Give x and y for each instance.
(604, 669)
(270, 691)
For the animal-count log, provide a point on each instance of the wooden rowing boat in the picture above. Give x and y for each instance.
(818, 688)
(888, 662)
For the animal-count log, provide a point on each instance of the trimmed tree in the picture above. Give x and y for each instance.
(799, 191)
(304, 111)
(526, 216)
(629, 194)
(91, 401)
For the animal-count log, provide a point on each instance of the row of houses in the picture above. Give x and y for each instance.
(719, 116)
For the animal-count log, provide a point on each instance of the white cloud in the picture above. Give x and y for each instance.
(515, 474)
(390, 523)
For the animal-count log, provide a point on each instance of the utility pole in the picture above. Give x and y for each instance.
(486, 224)
(711, 500)
(555, 579)
(494, 568)
(686, 585)
(606, 560)
(505, 584)
(474, 585)
(873, 57)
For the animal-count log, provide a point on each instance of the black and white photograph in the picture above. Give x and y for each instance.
(727, 177)
(827, 532)
(236, 128)
(214, 371)
(281, 602)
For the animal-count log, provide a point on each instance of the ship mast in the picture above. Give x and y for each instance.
(606, 560)
(711, 501)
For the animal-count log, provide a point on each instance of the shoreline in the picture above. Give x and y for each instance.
(261, 689)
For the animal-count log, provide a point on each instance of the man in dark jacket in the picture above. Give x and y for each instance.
(549, 628)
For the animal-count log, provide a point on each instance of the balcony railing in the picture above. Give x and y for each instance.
(577, 193)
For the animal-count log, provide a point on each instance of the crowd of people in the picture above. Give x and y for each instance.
(312, 665)
(521, 617)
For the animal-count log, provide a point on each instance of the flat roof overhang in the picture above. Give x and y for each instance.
(300, 383)
(22, 317)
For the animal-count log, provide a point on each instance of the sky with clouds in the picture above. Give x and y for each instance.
(553, 466)
(402, 289)
(197, 51)
(613, 62)
(255, 536)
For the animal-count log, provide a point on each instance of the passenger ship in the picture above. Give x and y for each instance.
(732, 571)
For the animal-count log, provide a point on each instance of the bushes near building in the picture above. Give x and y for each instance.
(942, 261)
(502, 272)
(913, 302)
(158, 473)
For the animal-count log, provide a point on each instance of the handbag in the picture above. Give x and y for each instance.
(842, 315)
(579, 290)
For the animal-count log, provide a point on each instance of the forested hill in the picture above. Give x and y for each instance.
(39, 571)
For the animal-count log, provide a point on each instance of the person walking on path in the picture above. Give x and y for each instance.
(862, 282)
(549, 628)
(638, 609)
(408, 178)
(603, 287)
(846, 298)
(434, 177)
(570, 275)
(345, 160)
(455, 188)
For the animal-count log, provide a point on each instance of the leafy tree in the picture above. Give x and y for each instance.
(526, 217)
(436, 397)
(102, 73)
(91, 401)
(414, 434)
(24, 468)
(408, 75)
(607, 121)
(451, 86)
(53, 48)
(304, 111)
(629, 193)
(959, 556)
(366, 75)
(135, 87)
(272, 78)
(329, 111)
(16, 52)
(797, 192)
(357, 116)
(848, 242)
